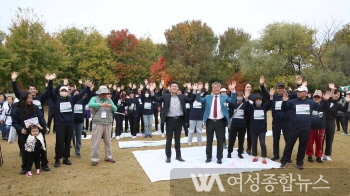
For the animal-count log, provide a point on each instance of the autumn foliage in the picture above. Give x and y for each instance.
(122, 41)
(158, 72)
(239, 81)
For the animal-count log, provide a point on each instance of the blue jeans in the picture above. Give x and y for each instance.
(5, 131)
(2, 127)
(147, 120)
(78, 129)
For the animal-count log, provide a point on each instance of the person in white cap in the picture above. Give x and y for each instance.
(300, 123)
(103, 109)
(64, 118)
(318, 126)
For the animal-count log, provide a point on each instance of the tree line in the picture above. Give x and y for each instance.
(192, 52)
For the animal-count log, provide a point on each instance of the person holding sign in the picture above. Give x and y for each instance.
(258, 126)
(103, 109)
(300, 123)
(24, 114)
(64, 118)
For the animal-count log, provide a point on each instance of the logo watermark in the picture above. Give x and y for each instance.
(219, 181)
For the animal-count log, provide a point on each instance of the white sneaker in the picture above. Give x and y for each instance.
(343, 133)
(162, 134)
(328, 158)
(118, 137)
(133, 137)
(189, 143)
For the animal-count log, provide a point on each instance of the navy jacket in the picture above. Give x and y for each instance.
(258, 117)
(318, 120)
(133, 105)
(64, 118)
(278, 114)
(38, 100)
(18, 120)
(79, 115)
(238, 120)
(301, 112)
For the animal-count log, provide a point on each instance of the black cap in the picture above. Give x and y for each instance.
(280, 84)
(257, 96)
(131, 92)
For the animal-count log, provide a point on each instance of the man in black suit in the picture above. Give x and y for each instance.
(173, 113)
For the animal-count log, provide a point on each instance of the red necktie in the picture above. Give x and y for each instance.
(215, 107)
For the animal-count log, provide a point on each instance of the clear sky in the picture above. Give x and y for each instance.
(153, 17)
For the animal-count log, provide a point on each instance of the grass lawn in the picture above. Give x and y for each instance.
(126, 177)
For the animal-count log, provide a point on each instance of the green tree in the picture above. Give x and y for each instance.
(97, 63)
(229, 46)
(190, 47)
(292, 41)
(343, 35)
(73, 40)
(256, 61)
(34, 52)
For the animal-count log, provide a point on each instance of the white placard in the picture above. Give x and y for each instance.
(239, 114)
(278, 105)
(65, 107)
(31, 121)
(37, 103)
(78, 108)
(197, 104)
(148, 106)
(302, 109)
(259, 115)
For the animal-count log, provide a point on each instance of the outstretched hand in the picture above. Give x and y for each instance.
(50, 76)
(262, 80)
(347, 98)
(232, 86)
(327, 95)
(331, 85)
(14, 76)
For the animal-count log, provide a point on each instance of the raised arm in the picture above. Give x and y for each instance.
(263, 88)
(52, 94)
(17, 93)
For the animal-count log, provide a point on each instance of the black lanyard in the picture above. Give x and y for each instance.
(8, 112)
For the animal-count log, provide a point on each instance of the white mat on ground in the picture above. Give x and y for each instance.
(145, 143)
(154, 165)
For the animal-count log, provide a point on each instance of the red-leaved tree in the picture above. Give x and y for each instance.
(158, 72)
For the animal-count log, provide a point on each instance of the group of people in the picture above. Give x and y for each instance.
(299, 115)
